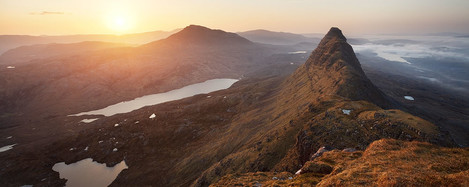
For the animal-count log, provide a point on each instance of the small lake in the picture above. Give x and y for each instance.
(148, 100)
(297, 52)
(88, 173)
(89, 120)
(6, 148)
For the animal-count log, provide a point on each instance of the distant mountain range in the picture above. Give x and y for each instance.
(278, 38)
(89, 75)
(25, 54)
(8, 42)
(12, 41)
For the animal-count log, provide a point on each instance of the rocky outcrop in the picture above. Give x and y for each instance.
(386, 162)
(320, 151)
(333, 69)
(315, 167)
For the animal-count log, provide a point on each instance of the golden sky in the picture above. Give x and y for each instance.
(53, 17)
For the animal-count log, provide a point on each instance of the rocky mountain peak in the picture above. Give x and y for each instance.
(199, 35)
(333, 69)
(335, 32)
(334, 52)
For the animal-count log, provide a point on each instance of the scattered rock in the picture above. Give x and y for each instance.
(152, 116)
(410, 98)
(379, 115)
(298, 172)
(116, 125)
(321, 151)
(349, 150)
(114, 150)
(347, 112)
(316, 167)
(86, 148)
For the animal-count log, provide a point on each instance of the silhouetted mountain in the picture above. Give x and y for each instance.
(199, 35)
(13, 41)
(40, 51)
(277, 38)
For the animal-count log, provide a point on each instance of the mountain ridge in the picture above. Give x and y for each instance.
(324, 99)
(199, 35)
(276, 38)
(264, 123)
(23, 54)
(12, 41)
(336, 70)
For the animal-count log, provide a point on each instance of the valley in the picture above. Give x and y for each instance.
(283, 108)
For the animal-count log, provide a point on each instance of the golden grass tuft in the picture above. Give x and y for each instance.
(389, 162)
(386, 162)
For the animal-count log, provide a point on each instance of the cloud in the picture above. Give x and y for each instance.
(398, 52)
(47, 13)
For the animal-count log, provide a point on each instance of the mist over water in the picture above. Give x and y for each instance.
(442, 60)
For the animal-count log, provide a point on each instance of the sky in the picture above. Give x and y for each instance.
(63, 17)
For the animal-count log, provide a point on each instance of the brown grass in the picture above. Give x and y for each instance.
(389, 162)
(385, 162)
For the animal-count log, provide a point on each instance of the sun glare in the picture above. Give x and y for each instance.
(119, 22)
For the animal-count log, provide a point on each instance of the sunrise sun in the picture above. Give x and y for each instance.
(119, 21)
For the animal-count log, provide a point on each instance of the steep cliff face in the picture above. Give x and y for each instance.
(334, 70)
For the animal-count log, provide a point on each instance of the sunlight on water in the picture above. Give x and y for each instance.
(89, 120)
(298, 52)
(88, 173)
(6, 148)
(410, 98)
(148, 100)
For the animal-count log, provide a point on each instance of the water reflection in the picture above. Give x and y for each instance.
(88, 173)
(148, 100)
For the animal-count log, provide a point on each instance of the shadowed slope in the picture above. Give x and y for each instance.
(333, 69)
(306, 112)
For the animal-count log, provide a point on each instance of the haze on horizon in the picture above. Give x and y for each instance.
(57, 17)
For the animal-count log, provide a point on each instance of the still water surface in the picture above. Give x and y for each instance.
(148, 100)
